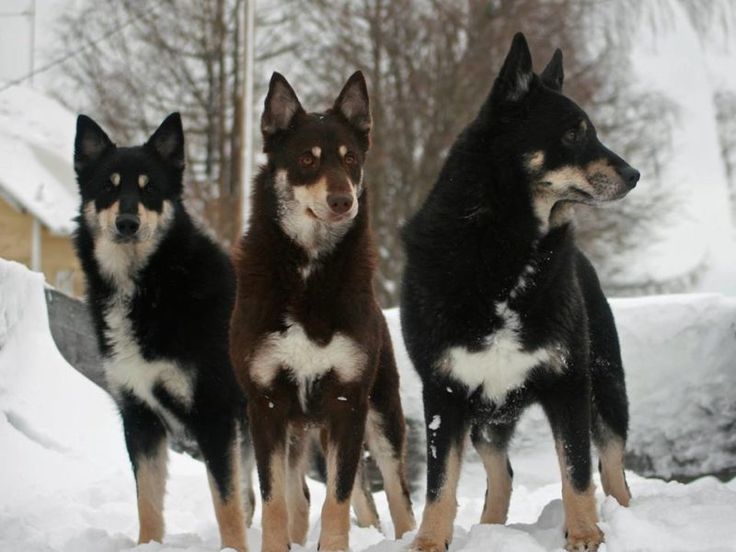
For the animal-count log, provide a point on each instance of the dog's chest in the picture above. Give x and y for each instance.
(304, 359)
(503, 363)
(127, 370)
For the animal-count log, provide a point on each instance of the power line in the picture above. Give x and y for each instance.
(68, 55)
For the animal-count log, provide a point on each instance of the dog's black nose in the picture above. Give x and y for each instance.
(127, 225)
(631, 176)
(339, 203)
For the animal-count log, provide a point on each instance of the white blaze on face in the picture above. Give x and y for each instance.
(115, 179)
(142, 180)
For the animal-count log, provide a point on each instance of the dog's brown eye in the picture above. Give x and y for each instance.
(571, 136)
(306, 160)
(350, 158)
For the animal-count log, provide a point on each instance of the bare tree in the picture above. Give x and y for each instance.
(430, 65)
(166, 55)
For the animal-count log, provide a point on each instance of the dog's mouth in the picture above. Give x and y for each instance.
(583, 196)
(330, 217)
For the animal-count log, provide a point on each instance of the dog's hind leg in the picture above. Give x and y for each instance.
(610, 403)
(386, 438)
(218, 437)
(446, 419)
(491, 441)
(362, 500)
(247, 463)
(145, 438)
(297, 492)
(610, 411)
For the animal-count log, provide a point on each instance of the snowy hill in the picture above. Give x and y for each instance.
(65, 483)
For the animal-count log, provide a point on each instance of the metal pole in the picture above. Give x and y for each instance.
(32, 49)
(36, 245)
(248, 111)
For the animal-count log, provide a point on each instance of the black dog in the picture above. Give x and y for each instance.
(160, 292)
(501, 309)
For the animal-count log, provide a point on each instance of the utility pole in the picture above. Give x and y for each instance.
(248, 111)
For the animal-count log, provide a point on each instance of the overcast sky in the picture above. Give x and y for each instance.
(15, 35)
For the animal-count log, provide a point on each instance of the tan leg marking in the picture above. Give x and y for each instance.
(498, 491)
(394, 477)
(581, 516)
(229, 511)
(335, 527)
(150, 480)
(435, 533)
(296, 501)
(275, 521)
(362, 500)
(613, 478)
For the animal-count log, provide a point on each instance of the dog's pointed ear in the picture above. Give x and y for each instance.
(90, 143)
(353, 103)
(280, 107)
(168, 141)
(553, 75)
(515, 77)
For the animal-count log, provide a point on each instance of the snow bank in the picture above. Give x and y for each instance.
(679, 353)
(65, 483)
(680, 357)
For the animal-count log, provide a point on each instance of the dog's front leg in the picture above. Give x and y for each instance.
(145, 438)
(568, 408)
(446, 419)
(268, 424)
(343, 443)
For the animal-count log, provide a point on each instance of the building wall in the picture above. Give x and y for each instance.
(58, 261)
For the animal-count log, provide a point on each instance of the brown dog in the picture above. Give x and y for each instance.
(308, 340)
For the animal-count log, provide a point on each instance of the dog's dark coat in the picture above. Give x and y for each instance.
(295, 288)
(483, 266)
(168, 305)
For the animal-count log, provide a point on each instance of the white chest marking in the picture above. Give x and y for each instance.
(127, 370)
(304, 359)
(503, 365)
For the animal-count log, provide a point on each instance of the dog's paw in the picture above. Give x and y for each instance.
(584, 541)
(428, 544)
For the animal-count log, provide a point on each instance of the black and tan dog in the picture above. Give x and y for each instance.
(308, 339)
(501, 309)
(160, 293)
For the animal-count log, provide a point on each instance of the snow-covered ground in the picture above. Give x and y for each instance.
(65, 483)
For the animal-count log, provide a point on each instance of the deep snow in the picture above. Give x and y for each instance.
(65, 483)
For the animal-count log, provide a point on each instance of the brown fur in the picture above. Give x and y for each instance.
(150, 479)
(498, 492)
(435, 533)
(581, 517)
(309, 342)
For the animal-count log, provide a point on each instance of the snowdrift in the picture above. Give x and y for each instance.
(65, 483)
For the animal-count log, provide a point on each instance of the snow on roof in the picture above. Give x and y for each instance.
(36, 156)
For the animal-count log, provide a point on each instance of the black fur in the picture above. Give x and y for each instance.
(179, 303)
(467, 248)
